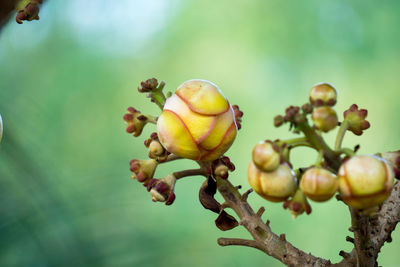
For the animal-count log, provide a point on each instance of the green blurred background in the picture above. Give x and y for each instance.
(66, 197)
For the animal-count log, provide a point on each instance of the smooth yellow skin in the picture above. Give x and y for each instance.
(325, 118)
(265, 157)
(197, 122)
(319, 184)
(274, 186)
(324, 92)
(365, 181)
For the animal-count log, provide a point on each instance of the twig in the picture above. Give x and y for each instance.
(238, 242)
(190, 172)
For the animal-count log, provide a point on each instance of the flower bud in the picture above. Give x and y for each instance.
(266, 156)
(148, 85)
(318, 184)
(325, 118)
(298, 204)
(27, 11)
(278, 120)
(162, 190)
(143, 170)
(356, 119)
(365, 181)
(135, 121)
(238, 116)
(156, 150)
(197, 122)
(221, 167)
(323, 94)
(274, 186)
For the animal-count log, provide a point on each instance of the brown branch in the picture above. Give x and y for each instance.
(265, 240)
(238, 242)
(370, 233)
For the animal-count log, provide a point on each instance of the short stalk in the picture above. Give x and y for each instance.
(340, 135)
(190, 172)
(319, 144)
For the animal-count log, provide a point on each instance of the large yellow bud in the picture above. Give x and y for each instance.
(365, 181)
(197, 122)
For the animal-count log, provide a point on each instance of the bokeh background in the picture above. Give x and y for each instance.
(66, 197)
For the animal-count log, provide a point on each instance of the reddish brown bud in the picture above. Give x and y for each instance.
(298, 204)
(238, 116)
(162, 190)
(278, 120)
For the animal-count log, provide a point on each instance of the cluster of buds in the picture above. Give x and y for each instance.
(135, 121)
(156, 150)
(363, 182)
(323, 97)
(197, 122)
(28, 10)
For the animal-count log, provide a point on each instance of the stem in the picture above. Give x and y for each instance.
(238, 242)
(319, 144)
(293, 141)
(151, 119)
(172, 157)
(319, 158)
(190, 172)
(157, 96)
(349, 152)
(340, 135)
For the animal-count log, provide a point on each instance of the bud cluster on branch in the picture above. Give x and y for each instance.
(198, 123)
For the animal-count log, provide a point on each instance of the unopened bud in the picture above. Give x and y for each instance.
(266, 156)
(323, 94)
(162, 190)
(319, 184)
(298, 204)
(274, 186)
(365, 181)
(197, 122)
(221, 167)
(143, 170)
(278, 121)
(325, 118)
(356, 119)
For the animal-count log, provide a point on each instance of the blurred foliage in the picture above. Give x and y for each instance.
(66, 194)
